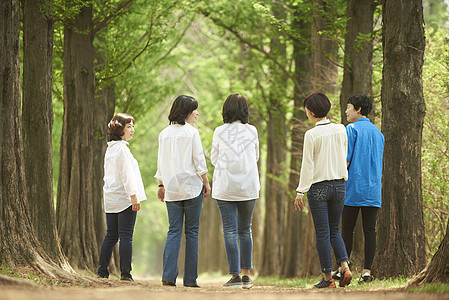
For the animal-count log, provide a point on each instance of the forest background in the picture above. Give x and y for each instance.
(144, 53)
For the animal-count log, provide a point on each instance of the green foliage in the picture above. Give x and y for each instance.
(435, 151)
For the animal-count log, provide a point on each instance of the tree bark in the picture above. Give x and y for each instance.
(103, 106)
(358, 69)
(438, 268)
(275, 192)
(401, 238)
(324, 50)
(19, 246)
(37, 122)
(74, 208)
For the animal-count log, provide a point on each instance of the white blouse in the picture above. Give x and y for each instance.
(235, 152)
(324, 154)
(181, 162)
(122, 178)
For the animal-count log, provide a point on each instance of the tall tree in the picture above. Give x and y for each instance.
(18, 243)
(296, 222)
(276, 157)
(358, 69)
(37, 120)
(74, 208)
(324, 47)
(401, 236)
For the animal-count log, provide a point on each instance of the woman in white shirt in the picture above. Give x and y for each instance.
(235, 152)
(122, 192)
(182, 175)
(322, 177)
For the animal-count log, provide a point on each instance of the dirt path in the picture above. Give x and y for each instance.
(151, 289)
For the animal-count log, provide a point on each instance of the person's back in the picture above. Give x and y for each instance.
(365, 164)
(235, 152)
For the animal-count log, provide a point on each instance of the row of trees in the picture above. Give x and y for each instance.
(285, 50)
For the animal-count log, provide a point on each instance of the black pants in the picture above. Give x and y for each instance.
(369, 216)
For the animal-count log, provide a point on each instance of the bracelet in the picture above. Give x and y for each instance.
(161, 185)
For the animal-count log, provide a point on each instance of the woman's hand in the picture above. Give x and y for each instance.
(299, 205)
(135, 203)
(207, 190)
(161, 193)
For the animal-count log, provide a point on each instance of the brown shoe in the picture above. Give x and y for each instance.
(168, 283)
(346, 277)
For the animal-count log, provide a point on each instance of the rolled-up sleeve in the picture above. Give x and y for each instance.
(307, 166)
(125, 171)
(198, 155)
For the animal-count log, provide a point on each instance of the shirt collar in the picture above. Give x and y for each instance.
(363, 119)
(323, 122)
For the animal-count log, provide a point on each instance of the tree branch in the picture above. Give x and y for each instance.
(106, 20)
(251, 45)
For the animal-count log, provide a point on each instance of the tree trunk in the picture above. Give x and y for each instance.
(358, 69)
(296, 221)
(37, 122)
(401, 238)
(104, 106)
(324, 50)
(18, 243)
(438, 268)
(74, 208)
(357, 79)
(275, 193)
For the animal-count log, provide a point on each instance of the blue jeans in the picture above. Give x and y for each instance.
(236, 217)
(326, 201)
(177, 210)
(120, 226)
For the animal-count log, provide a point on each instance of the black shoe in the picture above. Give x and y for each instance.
(235, 283)
(168, 283)
(192, 286)
(247, 283)
(127, 278)
(365, 278)
(102, 276)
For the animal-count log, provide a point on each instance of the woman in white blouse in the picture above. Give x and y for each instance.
(182, 175)
(322, 177)
(122, 192)
(235, 152)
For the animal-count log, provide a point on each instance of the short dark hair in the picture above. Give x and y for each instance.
(116, 126)
(181, 108)
(318, 104)
(235, 108)
(361, 101)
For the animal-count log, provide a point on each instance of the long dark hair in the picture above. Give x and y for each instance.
(181, 108)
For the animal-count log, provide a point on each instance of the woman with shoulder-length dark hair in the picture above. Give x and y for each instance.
(322, 177)
(122, 192)
(182, 175)
(235, 152)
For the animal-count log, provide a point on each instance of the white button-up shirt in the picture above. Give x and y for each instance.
(181, 162)
(235, 152)
(324, 154)
(122, 178)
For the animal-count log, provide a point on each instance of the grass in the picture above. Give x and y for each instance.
(308, 282)
(432, 288)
